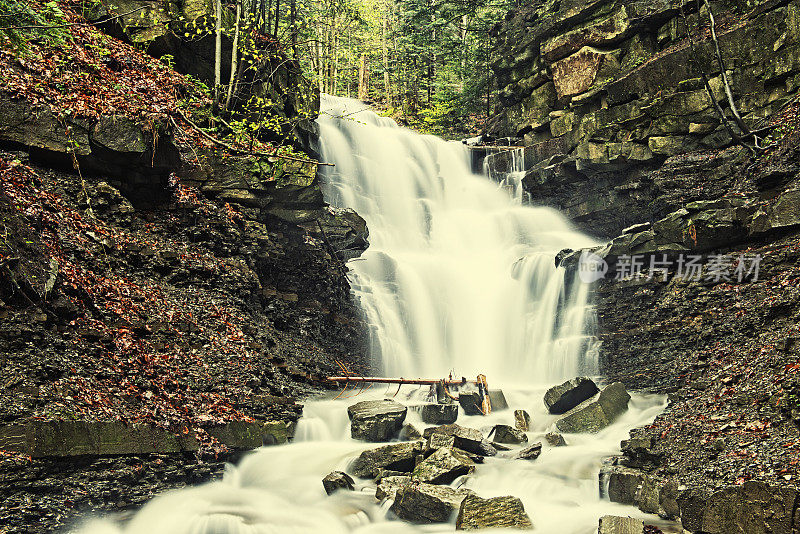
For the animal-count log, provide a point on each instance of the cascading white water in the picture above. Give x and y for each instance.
(459, 275)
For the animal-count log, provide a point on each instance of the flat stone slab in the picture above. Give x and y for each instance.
(476, 513)
(498, 400)
(41, 439)
(464, 438)
(376, 421)
(427, 503)
(564, 397)
(596, 414)
(443, 466)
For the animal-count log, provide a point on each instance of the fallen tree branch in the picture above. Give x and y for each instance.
(754, 149)
(233, 149)
(720, 61)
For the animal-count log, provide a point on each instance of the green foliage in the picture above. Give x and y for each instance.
(21, 23)
(427, 61)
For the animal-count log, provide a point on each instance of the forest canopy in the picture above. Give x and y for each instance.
(424, 62)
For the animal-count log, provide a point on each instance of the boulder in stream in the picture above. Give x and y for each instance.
(464, 438)
(555, 439)
(395, 457)
(444, 466)
(337, 480)
(597, 413)
(564, 397)
(427, 503)
(409, 433)
(499, 512)
(522, 420)
(498, 400)
(610, 524)
(439, 414)
(471, 403)
(389, 485)
(378, 420)
(508, 434)
(530, 452)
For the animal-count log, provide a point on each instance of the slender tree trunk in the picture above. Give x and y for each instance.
(277, 15)
(335, 62)
(293, 23)
(234, 55)
(218, 55)
(387, 86)
(363, 78)
(318, 53)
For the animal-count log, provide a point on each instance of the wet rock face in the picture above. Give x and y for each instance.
(427, 503)
(476, 513)
(443, 466)
(564, 397)
(753, 508)
(138, 159)
(376, 420)
(397, 457)
(602, 94)
(595, 414)
(336, 481)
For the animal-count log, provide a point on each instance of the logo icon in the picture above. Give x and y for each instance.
(591, 267)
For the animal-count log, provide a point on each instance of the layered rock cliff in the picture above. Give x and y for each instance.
(605, 94)
(621, 133)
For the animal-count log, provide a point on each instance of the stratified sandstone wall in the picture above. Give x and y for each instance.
(603, 92)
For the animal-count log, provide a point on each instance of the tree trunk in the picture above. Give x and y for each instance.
(234, 55)
(277, 16)
(335, 51)
(387, 85)
(363, 78)
(293, 23)
(218, 55)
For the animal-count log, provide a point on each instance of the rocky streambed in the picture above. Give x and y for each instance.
(398, 461)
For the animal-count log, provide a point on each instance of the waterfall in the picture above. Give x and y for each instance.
(459, 275)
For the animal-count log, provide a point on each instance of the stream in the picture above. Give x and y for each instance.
(459, 278)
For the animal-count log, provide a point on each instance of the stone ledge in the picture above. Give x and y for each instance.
(42, 439)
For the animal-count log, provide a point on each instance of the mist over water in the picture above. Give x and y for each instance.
(460, 277)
